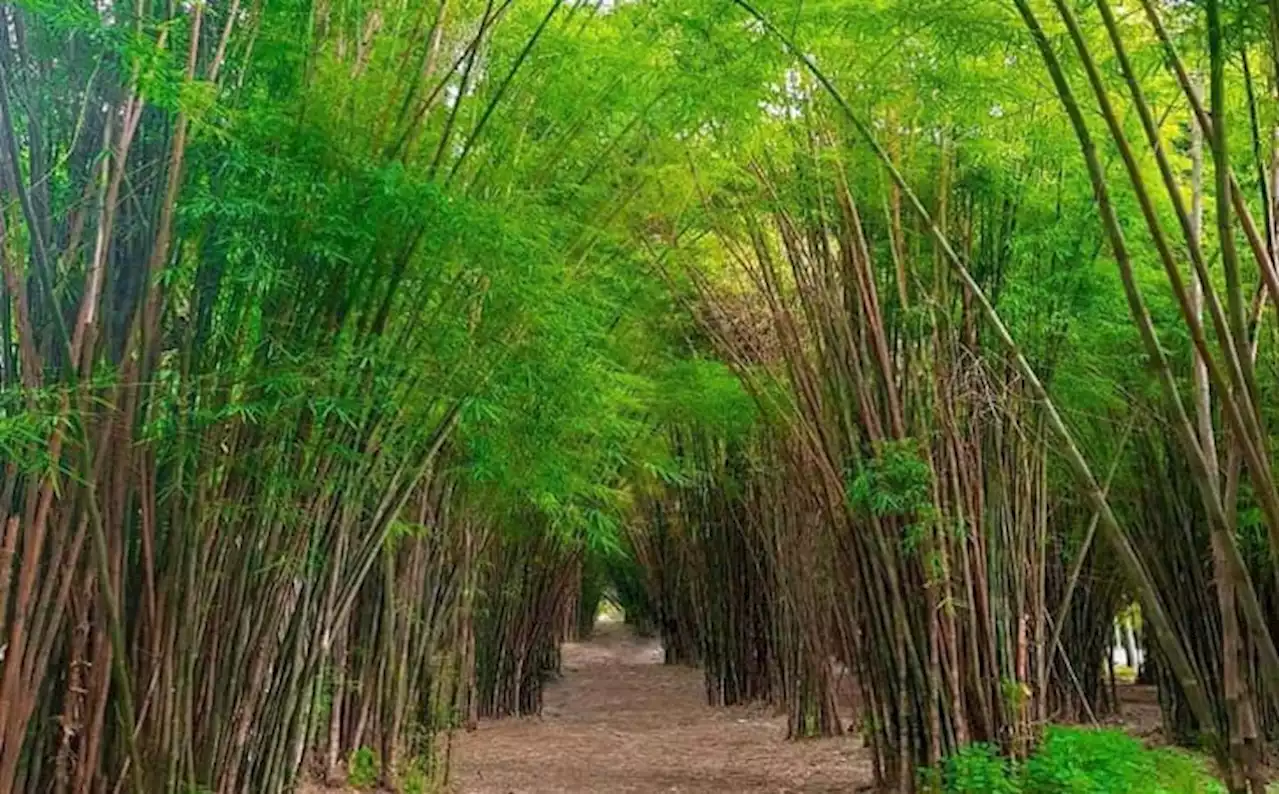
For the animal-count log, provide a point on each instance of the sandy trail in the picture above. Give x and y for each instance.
(621, 721)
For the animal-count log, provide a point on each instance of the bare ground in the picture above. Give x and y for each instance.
(1139, 712)
(621, 721)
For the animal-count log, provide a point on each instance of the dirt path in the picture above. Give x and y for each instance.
(621, 721)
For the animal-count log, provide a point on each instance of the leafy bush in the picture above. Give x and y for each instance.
(362, 769)
(415, 780)
(1076, 761)
(978, 769)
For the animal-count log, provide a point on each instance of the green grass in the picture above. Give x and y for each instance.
(1077, 761)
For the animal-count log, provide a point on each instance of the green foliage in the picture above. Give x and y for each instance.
(362, 769)
(414, 779)
(894, 483)
(331, 293)
(1075, 761)
(705, 393)
(978, 769)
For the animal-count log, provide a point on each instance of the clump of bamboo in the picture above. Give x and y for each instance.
(527, 580)
(226, 503)
(916, 466)
(401, 671)
(730, 573)
(1219, 694)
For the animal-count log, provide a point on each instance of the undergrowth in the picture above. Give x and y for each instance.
(1075, 761)
(362, 769)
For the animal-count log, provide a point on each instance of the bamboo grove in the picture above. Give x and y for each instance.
(875, 355)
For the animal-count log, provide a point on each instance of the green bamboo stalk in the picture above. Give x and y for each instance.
(1182, 423)
(1266, 266)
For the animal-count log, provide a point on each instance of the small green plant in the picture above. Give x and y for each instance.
(362, 769)
(415, 779)
(1074, 761)
(1078, 761)
(978, 769)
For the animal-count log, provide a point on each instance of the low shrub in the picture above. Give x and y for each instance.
(1076, 761)
(362, 769)
(978, 769)
(414, 779)
(1073, 760)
